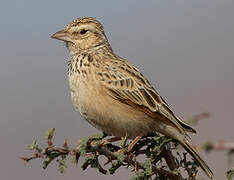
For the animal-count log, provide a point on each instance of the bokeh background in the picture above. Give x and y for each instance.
(185, 48)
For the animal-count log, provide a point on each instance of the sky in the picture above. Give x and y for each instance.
(185, 48)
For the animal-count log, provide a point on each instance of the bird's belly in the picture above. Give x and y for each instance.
(116, 119)
(107, 114)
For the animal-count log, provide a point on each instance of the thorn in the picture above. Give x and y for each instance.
(65, 144)
(76, 156)
(25, 160)
(50, 144)
(78, 146)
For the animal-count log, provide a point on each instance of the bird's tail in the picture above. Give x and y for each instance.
(188, 146)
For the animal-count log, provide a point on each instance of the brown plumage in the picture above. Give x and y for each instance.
(112, 94)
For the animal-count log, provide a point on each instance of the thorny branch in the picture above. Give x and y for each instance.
(94, 147)
(153, 147)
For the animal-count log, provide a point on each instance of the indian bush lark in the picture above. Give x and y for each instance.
(112, 94)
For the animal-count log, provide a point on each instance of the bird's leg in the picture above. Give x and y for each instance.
(111, 140)
(133, 143)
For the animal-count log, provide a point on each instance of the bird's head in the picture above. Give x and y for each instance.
(82, 34)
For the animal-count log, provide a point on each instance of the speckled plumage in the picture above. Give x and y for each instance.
(112, 94)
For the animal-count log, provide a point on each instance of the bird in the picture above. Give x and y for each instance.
(112, 94)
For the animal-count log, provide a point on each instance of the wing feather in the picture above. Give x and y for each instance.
(126, 83)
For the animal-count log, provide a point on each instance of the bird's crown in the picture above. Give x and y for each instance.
(85, 20)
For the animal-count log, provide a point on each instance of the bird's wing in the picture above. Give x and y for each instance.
(126, 83)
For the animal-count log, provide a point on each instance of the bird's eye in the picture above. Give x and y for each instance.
(83, 31)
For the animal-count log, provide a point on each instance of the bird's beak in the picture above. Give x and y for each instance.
(62, 35)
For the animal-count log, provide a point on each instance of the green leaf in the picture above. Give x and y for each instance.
(62, 164)
(114, 167)
(98, 136)
(140, 176)
(163, 140)
(83, 146)
(50, 134)
(34, 145)
(46, 162)
(230, 174)
(135, 178)
(49, 158)
(123, 141)
(148, 167)
(92, 161)
(121, 156)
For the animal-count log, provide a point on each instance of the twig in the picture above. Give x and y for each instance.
(218, 146)
(102, 150)
(169, 158)
(161, 172)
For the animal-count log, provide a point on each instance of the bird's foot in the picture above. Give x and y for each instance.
(110, 140)
(133, 143)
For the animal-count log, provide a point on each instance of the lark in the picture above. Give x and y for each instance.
(112, 94)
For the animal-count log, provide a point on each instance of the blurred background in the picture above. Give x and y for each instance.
(185, 48)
